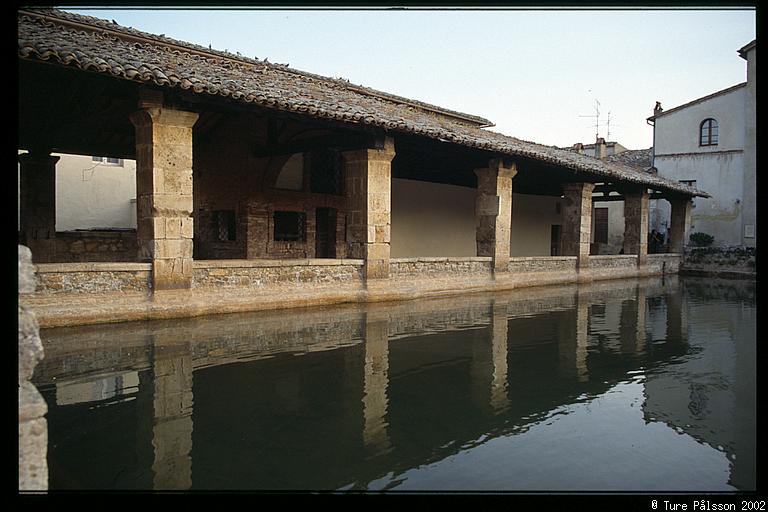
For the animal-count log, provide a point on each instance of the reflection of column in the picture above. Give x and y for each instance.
(573, 342)
(582, 335)
(376, 331)
(172, 425)
(677, 324)
(499, 334)
(641, 313)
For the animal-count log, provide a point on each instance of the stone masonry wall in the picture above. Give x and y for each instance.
(664, 263)
(440, 267)
(92, 245)
(93, 277)
(628, 261)
(543, 264)
(268, 273)
(33, 429)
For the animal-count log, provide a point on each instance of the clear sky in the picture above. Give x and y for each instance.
(533, 73)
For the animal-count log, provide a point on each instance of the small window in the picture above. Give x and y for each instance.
(290, 226)
(708, 133)
(108, 160)
(224, 226)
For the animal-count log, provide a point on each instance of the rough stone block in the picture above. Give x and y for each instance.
(27, 282)
(187, 227)
(487, 205)
(173, 227)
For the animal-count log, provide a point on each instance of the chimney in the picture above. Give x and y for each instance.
(600, 151)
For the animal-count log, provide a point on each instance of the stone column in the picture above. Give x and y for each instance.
(368, 180)
(172, 422)
(493, 212)
(577, 221)
(33, 429)
(679, 224)
(636, 225)
(164, 194)
(38, 203)
(375, 401)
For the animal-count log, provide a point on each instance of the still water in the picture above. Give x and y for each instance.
(621, 385)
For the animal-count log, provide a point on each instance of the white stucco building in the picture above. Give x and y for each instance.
(710, 144)
(95, 193)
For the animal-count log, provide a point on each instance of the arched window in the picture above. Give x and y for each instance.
(708, 132)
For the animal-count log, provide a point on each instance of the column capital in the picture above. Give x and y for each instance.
(496, 166)
(384, 154)
(163, 116)
(578, 187)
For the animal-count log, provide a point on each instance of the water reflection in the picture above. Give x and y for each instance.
(617, 385)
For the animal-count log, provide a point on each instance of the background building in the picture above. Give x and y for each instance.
(710, 143)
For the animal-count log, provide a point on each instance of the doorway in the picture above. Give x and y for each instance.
(325, 233)
(554, 244)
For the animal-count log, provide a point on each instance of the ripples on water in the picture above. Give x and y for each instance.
(621, 385)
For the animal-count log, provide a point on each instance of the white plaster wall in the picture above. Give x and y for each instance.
(532, 220)
(718, 170)
(678, 132)
(94, 195)
(721, 175)
(749, 213)
(431, 219)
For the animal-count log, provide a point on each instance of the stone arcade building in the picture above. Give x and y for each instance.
(260, 186)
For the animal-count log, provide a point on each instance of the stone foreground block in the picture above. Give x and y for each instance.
(33, 429)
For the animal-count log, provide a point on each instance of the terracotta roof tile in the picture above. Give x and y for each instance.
(642, 159)
(99, 46)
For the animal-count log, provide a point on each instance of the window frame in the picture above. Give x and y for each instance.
(224, 219)
(117, 162)
(301, 231)
(712, 137)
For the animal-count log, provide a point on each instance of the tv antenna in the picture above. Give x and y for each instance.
(597, 119)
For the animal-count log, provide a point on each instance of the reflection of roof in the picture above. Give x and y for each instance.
(698, 100)
(99, 46)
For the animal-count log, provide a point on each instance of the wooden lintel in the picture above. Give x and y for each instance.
(603, 198)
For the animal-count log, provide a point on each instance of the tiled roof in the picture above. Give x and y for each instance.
(640, 158)
(102, 47)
